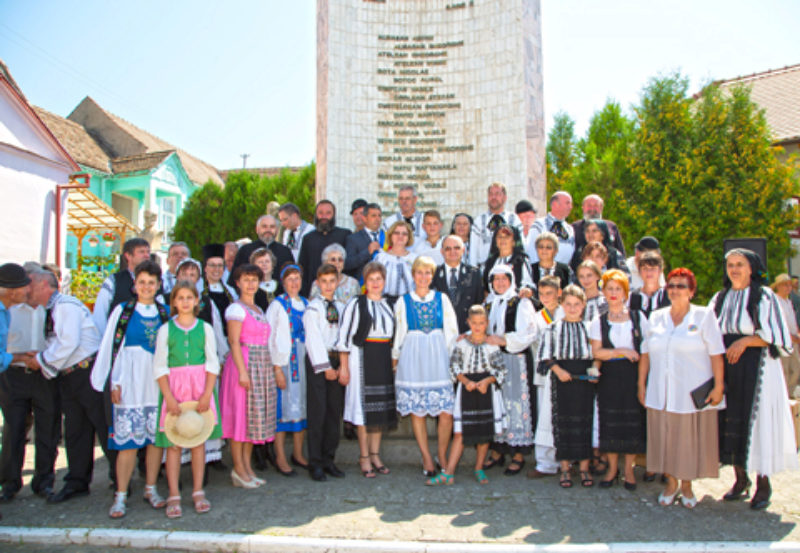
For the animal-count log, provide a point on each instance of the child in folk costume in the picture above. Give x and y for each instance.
(287, 349)
(544, 450)
(248, 390)
(588, 274)
(186, 368)
(365, 353)
(124, 364)
(566, 353)
(325, 395)
(512, 328)
(477, 368)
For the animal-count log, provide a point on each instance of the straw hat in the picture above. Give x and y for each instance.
(780, 279)
(190, 428)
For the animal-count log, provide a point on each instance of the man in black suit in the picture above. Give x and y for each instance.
(266, 230)
(361, 247)
(326, 233)
(462, 283)
(593, 209)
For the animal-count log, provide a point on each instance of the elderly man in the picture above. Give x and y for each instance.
(407, 202)
(295, 228)
(593, 209)
(362, 246)
(118, 288)
(555, 222)
(462, 283)
(177, 252)
(325, 234)
(71, 343)
(266, 230)
(486, 223)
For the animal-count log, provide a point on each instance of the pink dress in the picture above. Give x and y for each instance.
(249, 415)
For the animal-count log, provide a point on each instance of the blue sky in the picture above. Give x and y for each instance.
(220, 79)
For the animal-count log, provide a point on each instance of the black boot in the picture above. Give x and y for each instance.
(763, 493)
(741, 489)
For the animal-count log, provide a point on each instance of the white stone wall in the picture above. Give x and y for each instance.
(443, 95)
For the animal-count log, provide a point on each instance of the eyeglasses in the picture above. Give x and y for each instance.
(677, 286)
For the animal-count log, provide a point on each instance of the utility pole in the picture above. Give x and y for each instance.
(244, 160)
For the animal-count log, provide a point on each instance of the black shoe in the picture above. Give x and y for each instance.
(288, 473)
(7, 494)
(297, 463)
(67, 493)
(318, 475)
(760, 499)
(512, 471)
(334, 471)
(741, 489)
(45, 492)
(630, 486)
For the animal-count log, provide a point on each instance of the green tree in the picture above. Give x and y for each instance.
(217, 214)
(561, 153)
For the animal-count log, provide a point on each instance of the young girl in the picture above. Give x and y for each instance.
(268, 288)
(566, 352)
(588, 274)
(124, 364)
(186, 368)
(477, 368)
(248, 381)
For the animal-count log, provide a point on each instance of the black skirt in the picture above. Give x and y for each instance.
(741, 380)
(573, 412)
(377, 386)
(622, 419)
(477, 413)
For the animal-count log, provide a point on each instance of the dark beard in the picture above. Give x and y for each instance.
(324, 226)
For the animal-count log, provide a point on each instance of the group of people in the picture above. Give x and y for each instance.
(519, 334)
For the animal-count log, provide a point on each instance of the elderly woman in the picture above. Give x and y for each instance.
(398, 259)
(616, 344)
(756, 431)
(651, 295)
(512, 326)
(347, 287)
(546, 250)
(365, 351)
(507, 249)
(462, 227)
(268, 288)
(682, 350)
(425, 332)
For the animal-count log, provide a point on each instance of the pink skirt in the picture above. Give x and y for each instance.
(187, 384)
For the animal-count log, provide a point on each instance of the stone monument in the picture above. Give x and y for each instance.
(443, 95)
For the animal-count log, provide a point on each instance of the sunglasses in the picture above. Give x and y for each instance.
(677, 286)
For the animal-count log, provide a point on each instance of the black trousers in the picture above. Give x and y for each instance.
(23, 392)
(84, 416)
(324, 408)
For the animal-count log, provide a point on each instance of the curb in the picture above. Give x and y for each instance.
(211, 541)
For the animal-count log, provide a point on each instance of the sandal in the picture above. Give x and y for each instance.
(118, 508)
(565, 480)
(480, 476)
(151, 496)
(174, 507)
(440, 479)
(599, 466)
(586, 479)
(493, 461)
(201, 504)
(382, 469)
(366, 473)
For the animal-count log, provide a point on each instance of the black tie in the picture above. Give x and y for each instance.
(374, 236)
(331, 313)
(558, 230)
(291, 240)
(48, 322)
(410, 221)
(453, 280)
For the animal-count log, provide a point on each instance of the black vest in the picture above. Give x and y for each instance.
(636, 330)
(123, 289)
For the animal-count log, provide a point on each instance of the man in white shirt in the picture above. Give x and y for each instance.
(407, 201)
(486, 223)
(556, 222)
(177, 252)
(791, 364)
(295, 228)
(71, 344)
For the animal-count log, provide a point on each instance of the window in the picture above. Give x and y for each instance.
(167, 213)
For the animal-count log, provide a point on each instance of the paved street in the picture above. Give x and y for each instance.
(400, 507)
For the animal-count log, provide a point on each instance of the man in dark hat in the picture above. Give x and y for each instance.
(527, 216)
(14, 289)
(71, 344)
(357, 214)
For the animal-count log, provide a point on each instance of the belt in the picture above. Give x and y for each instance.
(85, 364)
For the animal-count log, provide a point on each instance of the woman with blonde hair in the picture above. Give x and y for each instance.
(398, 259)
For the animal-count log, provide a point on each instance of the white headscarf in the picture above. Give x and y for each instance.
(502, 268)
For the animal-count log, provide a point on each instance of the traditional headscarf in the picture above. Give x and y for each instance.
(187, 261)
(759, 274)
(501, 269)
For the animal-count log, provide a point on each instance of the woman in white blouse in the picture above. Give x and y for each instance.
(426, 329)
(398, 259)
(682, 350)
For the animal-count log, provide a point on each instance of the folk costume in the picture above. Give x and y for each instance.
(248, 415)
(639, 301)
(365, 332)
(425, 331)
(478, 417)
(184, 356)
(288, 350)
(483, 229)
(398, 273)
(595, 307)
(518, 261)
(545, 450)
(567, 345)
(513, 318)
